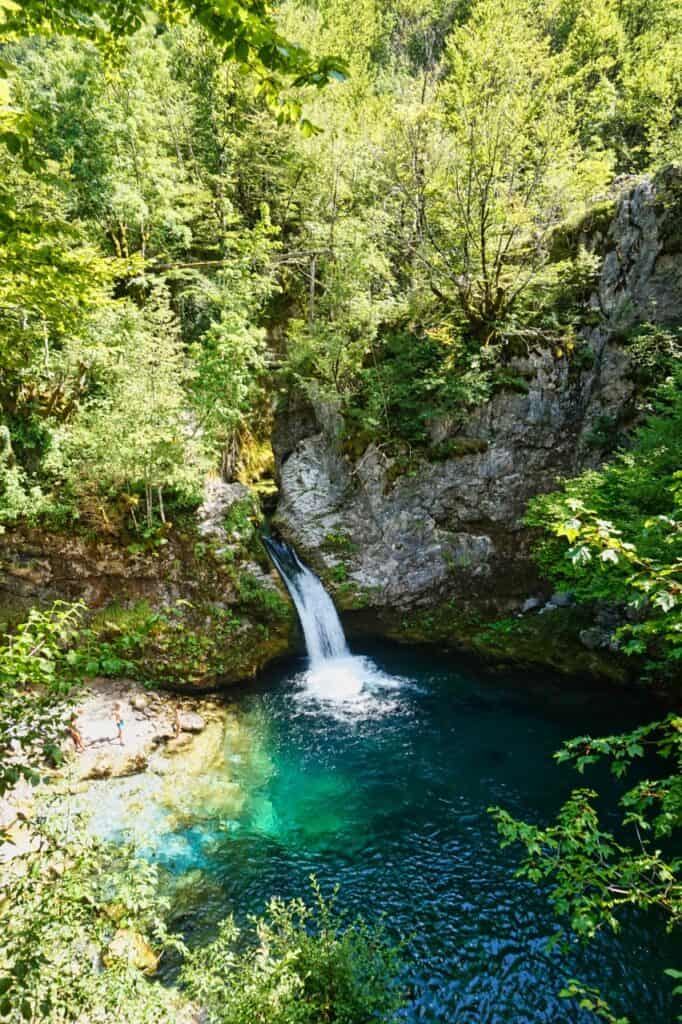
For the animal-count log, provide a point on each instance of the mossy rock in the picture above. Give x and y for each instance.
(592, 225)
(339, 541)
(549, 640)
(456, 448)
(350, 597)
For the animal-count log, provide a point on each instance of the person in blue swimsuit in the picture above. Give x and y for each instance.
(118, 719)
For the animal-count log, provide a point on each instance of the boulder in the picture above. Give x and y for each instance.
(131, 947)
(101, 768)
(219, 497)
(531, 604)
(115, 764)
(593, 638)
(191, 721)
(178, 743)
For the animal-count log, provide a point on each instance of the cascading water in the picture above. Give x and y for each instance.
(334, 676)
(322, 629)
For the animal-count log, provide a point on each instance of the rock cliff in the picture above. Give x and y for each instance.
(399, 542)
(451, 527)
(200, 609)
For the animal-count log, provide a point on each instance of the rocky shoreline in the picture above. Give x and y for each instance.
(157, 727)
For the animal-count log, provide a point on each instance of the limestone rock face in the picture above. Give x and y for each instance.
(642, 273)
(394, 540)
(453, 527)
(219, 498)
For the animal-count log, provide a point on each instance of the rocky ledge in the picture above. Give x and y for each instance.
(157, 729)
(198, 609)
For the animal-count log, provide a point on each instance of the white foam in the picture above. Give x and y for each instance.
(348, 687)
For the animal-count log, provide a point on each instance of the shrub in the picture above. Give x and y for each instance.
(306, 966)
(616, 535)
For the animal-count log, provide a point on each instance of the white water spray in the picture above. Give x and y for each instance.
(346, 685)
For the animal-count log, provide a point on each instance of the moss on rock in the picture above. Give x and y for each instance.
(197, 613)
(548, 640)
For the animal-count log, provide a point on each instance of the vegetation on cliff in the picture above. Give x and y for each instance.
(174, 232)
(614, 536)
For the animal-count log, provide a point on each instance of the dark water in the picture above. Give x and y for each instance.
(378, 775)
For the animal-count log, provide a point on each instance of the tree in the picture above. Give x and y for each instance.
(136, 432)
(230, 357)
(512, 169)
(615, 536)
(245, 30)
(598, 877)
(37, 677)
(307, 964)
(82, 930)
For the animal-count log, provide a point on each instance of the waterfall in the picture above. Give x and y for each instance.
(335, 681)
(323, 632)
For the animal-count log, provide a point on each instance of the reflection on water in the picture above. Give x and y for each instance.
(377, 774)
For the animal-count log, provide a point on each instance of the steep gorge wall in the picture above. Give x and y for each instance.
(451, 531)
(450, 528)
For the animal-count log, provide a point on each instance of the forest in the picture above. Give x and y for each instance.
(214, 215)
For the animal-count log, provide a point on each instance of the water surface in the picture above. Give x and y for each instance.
(377, 773)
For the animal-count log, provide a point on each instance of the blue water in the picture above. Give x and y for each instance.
(377, 775)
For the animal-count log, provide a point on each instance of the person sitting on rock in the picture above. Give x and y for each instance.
(74, 731)
(177, 724)
(118, 719)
